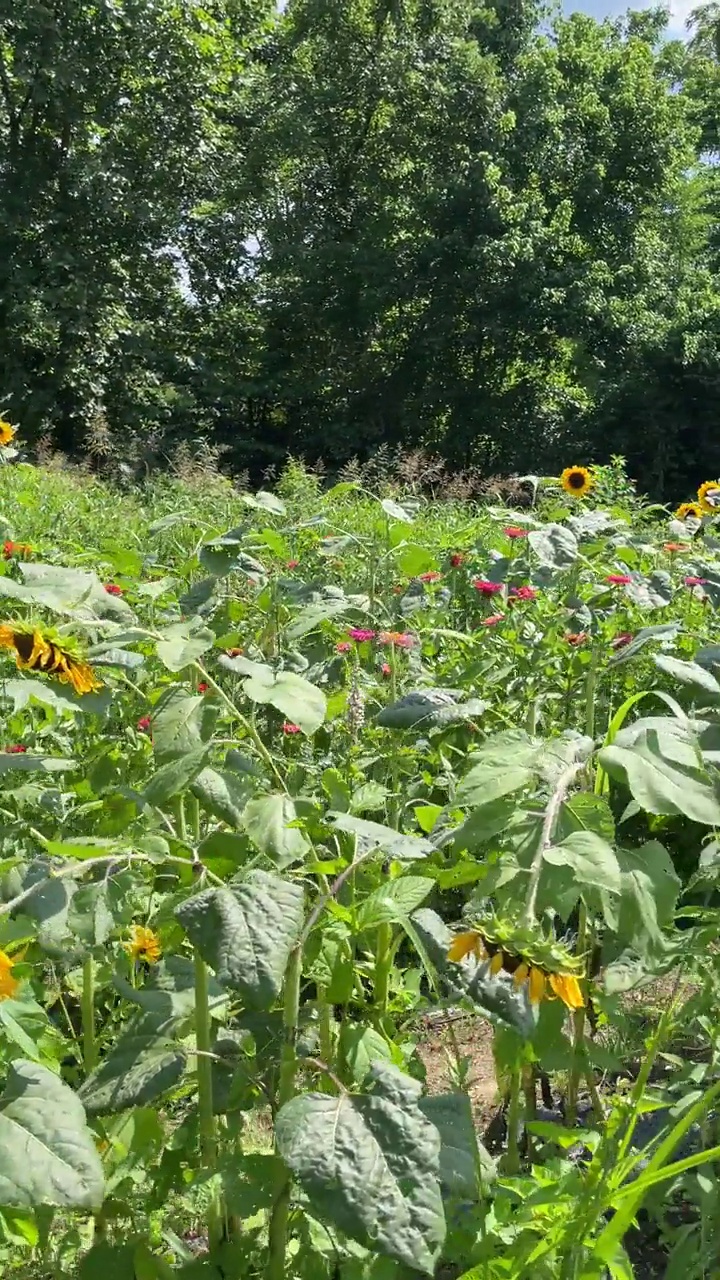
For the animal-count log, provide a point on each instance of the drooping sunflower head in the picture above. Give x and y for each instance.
(527, 955)
(7, 433)
(692, 509)
(9, 983)
(577, 481)
(143, 944)
(41, 649)
(709, 497)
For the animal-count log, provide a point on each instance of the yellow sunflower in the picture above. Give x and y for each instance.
(37, 650)
(689, 509)
(143, 944)
(7, 433)
(8, 983)
(576, 481)
(542, 978)
(709, 496)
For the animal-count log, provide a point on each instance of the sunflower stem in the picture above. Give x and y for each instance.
(579, 1062)
(279, 1218)
(247, 726)
(87, 1013)
(206, 1117)
(546, 836)
(511, 1162)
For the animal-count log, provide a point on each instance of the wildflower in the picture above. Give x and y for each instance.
(16, 750)
(514, 531)
(619, 579)
(490, 622)
(234, 653)
(386, 669)
(36, 650)
(359, 634)
(292, 564)
(694, 582)
(143, 944)
(675, 546)
(113, 589)
(487, 588)
(544, 966)
(576, 481)
(144, 723)
(524, 593)
(8, 983)
(576, 638)
(401, 639)
(7, 433)
(457, 559)
(289, 728)
(709, 496)
(202, 687)
(20, 549)
(621, 639)
(686, 509)
(431, 576)
(343, 646)
(355, 714)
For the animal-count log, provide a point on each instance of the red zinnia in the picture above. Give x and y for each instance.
(490, 622)
(234, 653)
(431, 576)
(514, 531)
(344, 646)
(16, 750)
(487, 588)
(11, 549)
(202, 687)
(289, 728)
(457, 558)
(523, 593)
(676, 546)
(143, 724)
(621, 639)
(694, 582)
(292, 564)
(113, 589)
(619, 579)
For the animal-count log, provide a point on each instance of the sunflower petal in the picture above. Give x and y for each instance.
(567, 988)
(536, 985)
(465, 944)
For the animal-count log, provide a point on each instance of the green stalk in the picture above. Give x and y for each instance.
(511, 1162)
(279, 1217)
(87, 1010)
(578, 1061)
(206, 1118)
(384, 945)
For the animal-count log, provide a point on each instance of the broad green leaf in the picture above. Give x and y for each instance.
(369, 798)
(369, 1164)
(90, 916)
(183, 643)
(172, 778)
(395, 511)
(690, 673)
(361, 1047)
(246, 932)
(24, 691)
(393, 901)
(313, 615)
(483, 823)
(374, 835)
(328, 961)
(593, 861)
(266, 820)
(554, 545)
(657, 760)
(662, 631)
(270, 502)
(169, 991)
(92, 847)
(654, 593)
(143, 1063)
(303, 703)
(47, 1153)
(74, 593)
(486, 783)
(586, 811)
(223, 794)
(10, 763)
(427, 709)
(225, 845)
(464, 1162)
(181, 722)
(649, 891)
(105, 1261)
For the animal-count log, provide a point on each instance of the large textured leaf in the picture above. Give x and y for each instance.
(662, 631)
(690, 673)
(373, 835)
(223, 793)
(172, 778)
(369, 1164)
(74, 593)
(303, 703)
(143, 1063)
(47, 1153)
(34, 764)
(393, 509)
(266, 822)
(170, 990)
(554, 545)
(180, 723)
(654, 593)
(657, 760)
(428, 708)
(246, 932)
(314, 614)
(593, 861)
(393, 901)
(649, 891)
(464, 1162)
(23, 691)
(183, 643)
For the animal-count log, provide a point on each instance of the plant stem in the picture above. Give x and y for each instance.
(546, 835)
(249, 728)
(578, 1063)
(278, 1228)
(511, 1163)
(206, 1118)
(383, 965)
(88, 1016)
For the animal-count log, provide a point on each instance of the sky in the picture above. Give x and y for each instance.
(679, 9)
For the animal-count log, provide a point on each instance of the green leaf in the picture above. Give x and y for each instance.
(464, 1162)
(486, 783)
(92, 847)
(183, 643)
(393, 901)
(173, 778)
(23, 692)
(428, 709)
(689, 673)
(649, 892)
(361, 1047)
(586, 812)
(369, 1164)
(74, 593)
(47, 1153)
(169, 991)
(313, 615)
(483, 823)
(395, 511)
(374, 835)
(89, 915)
(554, 546)
(143, 1063)
(266, 822)
(593, 861)
(223, 794)
(11, 763)
(661, 631)
(657, 760)
(246, 932)
(180, 723)
(303, 703)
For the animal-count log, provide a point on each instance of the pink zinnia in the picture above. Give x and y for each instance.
(360, 634)
(289, 728)
(487, 588)
(113, 589)
(386, 669)
(523, 593)
(490, 622)
(514, 531)
(621, 639)
(16, 750)
(344, 646)
(619, 579)
(143, 724)
(457, 558)
(431, 576)
(694, 582)
(402, 639)
(292, 564)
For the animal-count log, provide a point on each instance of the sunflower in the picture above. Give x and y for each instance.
(689, 509)
(143, 944)
(543, 964)
(709, 497)
(576, 481)
(7, 433)
(8, 983)
(36, 650)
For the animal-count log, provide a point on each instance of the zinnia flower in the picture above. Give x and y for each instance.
(38, 651)
(113, 589)
(514, 531)
(202, 687)
(576, 638)
(386, 669)
(143, 944)
(431, 576)
(675, 546)
(490, 622)
(538, 978)
(487, 588)
(292, 564)
(576, 481)
(144, 723)
(689, 509)
(360, 634)
(619, 579)
(7, 433)
(457, 558)
(20, 549)
(234, 653)
(621, 639)
(524, 593)
(401, 639)
(289, 728)
(709, 496)
(8, 983)
(694, 582)
(343, 646)
(16, 750)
